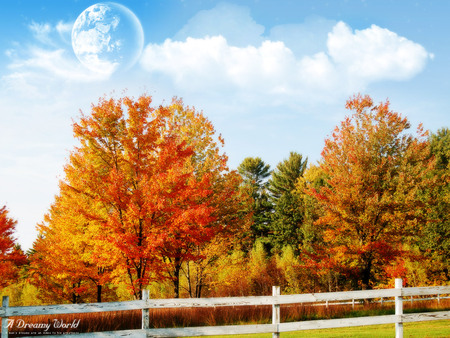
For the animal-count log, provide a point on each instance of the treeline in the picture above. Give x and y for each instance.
(148, 201)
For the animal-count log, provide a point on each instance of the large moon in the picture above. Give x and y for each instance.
(107, 37)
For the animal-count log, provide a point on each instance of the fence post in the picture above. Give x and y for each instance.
(276, 291)
(5, 304)
(399, 309)
(145, 312)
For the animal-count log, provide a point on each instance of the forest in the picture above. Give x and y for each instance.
(148, 201)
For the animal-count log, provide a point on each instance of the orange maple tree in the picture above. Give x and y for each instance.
(11, 255)
(150, 187)
(371, 200)
(63, 261)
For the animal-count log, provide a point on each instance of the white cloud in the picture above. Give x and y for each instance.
(375, 54)
(349, 62)
(318, 71)
(211, 64)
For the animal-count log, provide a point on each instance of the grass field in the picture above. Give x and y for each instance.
(432, 329)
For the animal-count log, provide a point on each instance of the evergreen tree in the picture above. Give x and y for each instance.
(288, 213)
(255, 172)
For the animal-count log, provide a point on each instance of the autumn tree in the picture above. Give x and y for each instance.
(150, 185)
(11, 255)
(287, 217)
(64, 264)
(255, 172)
(375, 172)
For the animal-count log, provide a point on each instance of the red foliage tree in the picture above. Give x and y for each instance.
(11, 255)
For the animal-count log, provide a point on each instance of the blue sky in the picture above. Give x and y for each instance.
(272, 76)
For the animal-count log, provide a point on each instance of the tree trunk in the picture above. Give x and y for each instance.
(188, 276)
(366, 273)
(99, 293)
(198, 290)
(176, 277)
(75, 296)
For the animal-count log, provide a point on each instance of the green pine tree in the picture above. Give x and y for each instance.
(255, 173)
(288, 214)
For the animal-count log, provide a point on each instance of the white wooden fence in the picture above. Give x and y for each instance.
(275, 300)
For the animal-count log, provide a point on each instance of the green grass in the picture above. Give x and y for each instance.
(438, 328)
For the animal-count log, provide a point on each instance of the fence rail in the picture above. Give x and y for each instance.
(275, 301)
